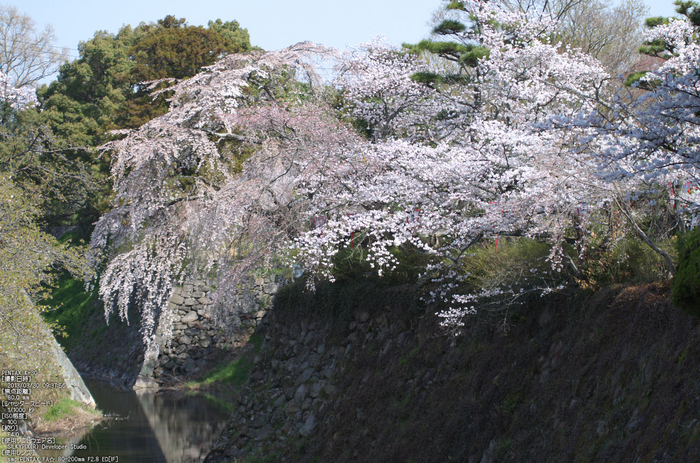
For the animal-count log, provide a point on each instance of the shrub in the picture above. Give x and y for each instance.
(350, 264)
(686, 282)
(514, 265)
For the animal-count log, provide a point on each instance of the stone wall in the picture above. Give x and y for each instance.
(289, 390)
(197, 340)
(297, 384)
(359, 375)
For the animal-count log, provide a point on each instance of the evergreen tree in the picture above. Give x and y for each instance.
(103, 90)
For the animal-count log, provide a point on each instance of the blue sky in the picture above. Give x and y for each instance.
(272, 24)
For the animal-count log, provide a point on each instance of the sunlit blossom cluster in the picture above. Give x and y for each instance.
(252, 164)
(209, 187)
(498, 167)
(18, 98)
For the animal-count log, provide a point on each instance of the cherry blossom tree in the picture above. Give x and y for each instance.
(495, 163)
(251, 164)
(375, 82)
(16, 98)
(655, 137)
(209, 187)
(652, 140)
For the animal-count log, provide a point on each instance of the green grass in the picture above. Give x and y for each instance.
(70, 307)
(61, 409)
(233, 373)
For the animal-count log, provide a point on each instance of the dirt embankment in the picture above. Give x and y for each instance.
(358, 373)
(76, 423)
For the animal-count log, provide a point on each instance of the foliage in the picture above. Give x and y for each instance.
(89, 94)
(44, 167)
(374, 82)
(35, 175)
(608, 31)
(27, 254)
(173, 50)
(500, 275)
(69, 307)
(31, 176)
(623, 259)
(185, 203)
(102, 90)
(351, 263)
(40, 163)
(654, 137)
(522, 137)
(686, 281)
(491, 163)
(520, 262)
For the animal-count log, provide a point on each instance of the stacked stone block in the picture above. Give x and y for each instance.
(197, 341)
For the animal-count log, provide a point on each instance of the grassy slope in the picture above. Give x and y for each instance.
(71, 306)
(90, 342)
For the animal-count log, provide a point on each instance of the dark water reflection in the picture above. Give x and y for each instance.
(148, 427)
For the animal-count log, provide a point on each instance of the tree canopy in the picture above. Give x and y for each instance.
(33, 176)
(102, 90)
(233, 159)
(523, 137)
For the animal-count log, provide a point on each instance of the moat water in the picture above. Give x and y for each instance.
(146, 427)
